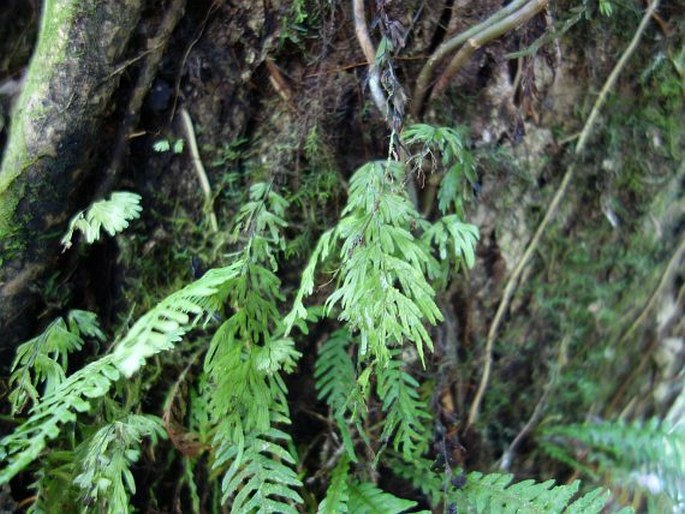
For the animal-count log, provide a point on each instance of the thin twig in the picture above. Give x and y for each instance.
(199, 168)
(673, 266)
(551, 211)
(508, 455)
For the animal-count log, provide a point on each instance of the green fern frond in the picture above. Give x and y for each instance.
(154, 332)
(337, 494)
(446, 148)
(496, 493)
(44, 359)
(53, 486)
(112, 215)
(419, 472)
(337, 384)
(384, 293)
(366, 498)
(334, 371)
(106, 479)
(168, 322)
(406, 415)
(649, 454)
(455, 239)
(262, 480)
(68, 399)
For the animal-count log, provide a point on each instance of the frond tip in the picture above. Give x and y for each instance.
(112, 215)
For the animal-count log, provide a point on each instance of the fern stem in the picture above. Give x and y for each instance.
(362, 32)
(551, 212)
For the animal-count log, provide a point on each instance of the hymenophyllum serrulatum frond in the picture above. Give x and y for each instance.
(43, 360)
(385, 298)
(244, 363)
(445, 149)
(383, 291)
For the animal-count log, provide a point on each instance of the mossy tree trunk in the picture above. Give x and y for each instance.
(49, 155)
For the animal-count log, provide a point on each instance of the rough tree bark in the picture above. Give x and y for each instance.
(69, 84)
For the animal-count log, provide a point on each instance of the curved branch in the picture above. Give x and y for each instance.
(551, 211)
(511, 22)
(423, 82)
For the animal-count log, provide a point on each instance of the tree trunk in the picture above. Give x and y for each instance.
(50, 151)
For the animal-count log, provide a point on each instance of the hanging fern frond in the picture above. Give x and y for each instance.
(454, 239)
(44, 359)
(112, 215)
(406, 418)
(337, 494)
(244, 363)
(366, 498)
(337, 384)
(649, 455)
(384, 293)
(447, 149)
(262, 479)
(68, 399)
(106, 479)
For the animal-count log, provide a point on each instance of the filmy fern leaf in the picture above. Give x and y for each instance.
(68, 399)
(406, 416)
(43, 359)
(154, 332)
(112, 215)
(446, 148)
(366, 498)
(262, 480)
(170, 319)
(384, 293)
(244, 363)
(106, 479)
(337, 494)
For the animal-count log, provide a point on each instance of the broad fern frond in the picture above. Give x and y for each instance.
(650, 455)
(262, 480)
(366, 498)
(113, 215)
(406, 415)
(106, 479)
(44, 359)
(496, 493)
